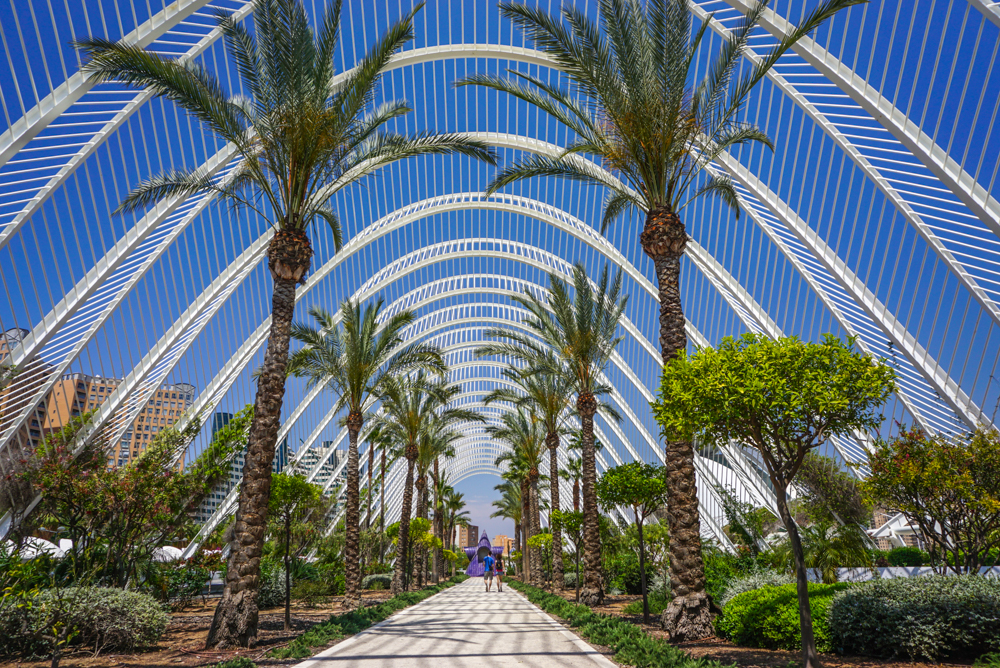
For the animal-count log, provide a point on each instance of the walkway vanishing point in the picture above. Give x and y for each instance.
(464, 627)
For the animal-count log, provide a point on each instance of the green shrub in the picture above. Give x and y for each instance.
(769, 617)
(907, 556)
(238, 662)
(629, 643)
(100, 617)
(272, 584)
(930, 618)
(988, 660)
(377, 581)
(311, 592)
(751, 581)
(622, 573)
(657, 604)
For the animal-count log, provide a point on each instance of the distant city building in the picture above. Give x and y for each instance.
(506, 542)
(328, 460)
(232, 479)
(468, 536)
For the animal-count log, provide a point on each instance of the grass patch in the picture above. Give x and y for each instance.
(631, 645)
(349, 623)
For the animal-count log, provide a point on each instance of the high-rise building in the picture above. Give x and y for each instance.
(506, 542)
(78, 393)
(468, 536)
(331, 459)
(17, 389)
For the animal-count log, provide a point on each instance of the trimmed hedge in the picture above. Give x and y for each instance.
(349, 623)
(769, 617)
(102, 617)
(930, 618)
(631, 645)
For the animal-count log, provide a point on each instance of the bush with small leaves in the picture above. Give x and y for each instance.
(927, 618)
(100, 617)
(751, 581)
(907, 556)
(769, 617)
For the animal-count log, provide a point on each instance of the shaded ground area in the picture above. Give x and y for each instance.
(745, 657)
(184, 639)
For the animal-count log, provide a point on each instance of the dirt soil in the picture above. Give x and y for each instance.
(726, 652)
(184, 640)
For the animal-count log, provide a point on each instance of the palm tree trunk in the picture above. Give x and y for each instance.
(371, 465)
(688, 616)
(526, 529)
(438, 524)
(352, 538)
(404, 529)
(576, 495)
(235, 620)
(381, 512)
(592, 592)
(552, 440)
(537, 567)
(419, 558)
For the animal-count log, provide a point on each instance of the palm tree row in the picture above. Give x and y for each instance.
(300, 136)
(633, 105)
(570, 339)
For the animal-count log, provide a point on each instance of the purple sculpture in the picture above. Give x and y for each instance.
(477, 553)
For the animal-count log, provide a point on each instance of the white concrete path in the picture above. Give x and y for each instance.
(464, 627)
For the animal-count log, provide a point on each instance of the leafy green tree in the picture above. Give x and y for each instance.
(743, 523)
(354, 361)
(643, 488)
(949, 487)
(295, 513)
(783, 397)
(300, 135)
(572, 526)
(575, 340)
(634, 106)
(830, 493)
(117, 517)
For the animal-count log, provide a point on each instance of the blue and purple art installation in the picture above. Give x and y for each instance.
(477, 553)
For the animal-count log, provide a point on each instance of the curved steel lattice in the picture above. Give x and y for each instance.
(877, 217)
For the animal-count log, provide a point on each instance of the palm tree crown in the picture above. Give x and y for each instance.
(633, 103)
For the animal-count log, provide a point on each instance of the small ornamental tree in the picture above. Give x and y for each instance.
(294, 511)
(643, 488)
(948, 487)
(783, 397)
(571, 525)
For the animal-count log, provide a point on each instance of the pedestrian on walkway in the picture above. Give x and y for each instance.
(488, 564)
(499, 572)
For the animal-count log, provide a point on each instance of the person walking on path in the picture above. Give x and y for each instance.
(488, 564)
(499, 572)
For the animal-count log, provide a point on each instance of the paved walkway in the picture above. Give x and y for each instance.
(464, 627)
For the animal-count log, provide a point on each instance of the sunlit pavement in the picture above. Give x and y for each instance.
(464, 626)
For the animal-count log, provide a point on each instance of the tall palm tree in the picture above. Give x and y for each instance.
(409, 405)
(524, 433)
(442, 489)
(512, 504)
(299, 137)
(581, 331)
(436, 441)
(354, 361)
(635, 107)
(453, 504)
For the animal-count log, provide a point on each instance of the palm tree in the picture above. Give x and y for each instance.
(513, 505)
(434, 442)
(354, 361)
(634, 107)
(582, 333)
(523, 432)
(441, 491)
(453, 505)
(409, 405)
(549, 395)
(573, 472)
(299, 137)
